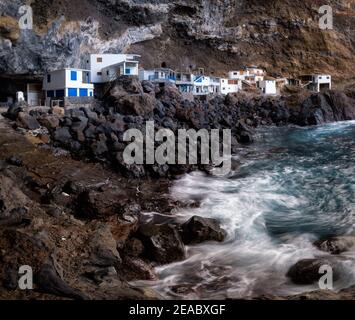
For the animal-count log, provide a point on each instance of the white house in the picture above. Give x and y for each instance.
(255, 71)
(250, 74)
(159, 75)
(321, 82)
(230, 86)
(107, 67)
(267, 86)
(68, 83)
(185, 82)
(202, 85)
(215, 85)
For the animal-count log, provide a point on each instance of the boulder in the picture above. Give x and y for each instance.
(26, 121)
(198, 230)
(95, 204)
(336, 245)
(58, 111)
(50, 121)
(104, 248)
(62, 135)
(306, 271)
(148, 87)
(137, 105)
(134, 247)
(13, 111)
(137, 269)
(78, 126)
(48, 281)
(162, 243)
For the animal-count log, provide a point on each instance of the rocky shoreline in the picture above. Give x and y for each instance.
(77, 214)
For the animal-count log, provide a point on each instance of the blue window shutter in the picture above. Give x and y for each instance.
(83, 92)
(50, 94)
(72, 92)
(90, 93)
(128, 71)
(49, 78)
(73, 75)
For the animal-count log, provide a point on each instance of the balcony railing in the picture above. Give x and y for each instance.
(167, 78)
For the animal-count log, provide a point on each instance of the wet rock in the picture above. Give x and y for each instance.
(134, 268)
(27, 121)
(244, 135)
(162, 243)
(14, 110)
(336, 245)
(48, 281)
(199, 229)
(307, 272)
(134, 247)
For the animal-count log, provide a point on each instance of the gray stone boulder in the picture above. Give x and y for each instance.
(162, 243)
(336, 245)
(26, 121)
(306, 271)
(198, 230)
(62, 135)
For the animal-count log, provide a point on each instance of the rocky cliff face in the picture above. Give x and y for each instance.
(282, 36)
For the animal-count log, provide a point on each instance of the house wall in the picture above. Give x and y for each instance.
(61, 84)
(145, 74)
(268, 86)
(76, 83)
(227, 87)
(107, 60)
(57, 80)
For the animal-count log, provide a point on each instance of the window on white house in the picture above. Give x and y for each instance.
(99, 60)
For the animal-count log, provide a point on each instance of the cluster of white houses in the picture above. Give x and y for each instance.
(104, 68)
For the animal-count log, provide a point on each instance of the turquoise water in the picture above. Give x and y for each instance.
(292, 187)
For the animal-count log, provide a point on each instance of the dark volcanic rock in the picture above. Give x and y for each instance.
(104, 248)
(307, 271)
(199, 229)
(326, 107)
(14, 110)
(162, 243)
(138, 105)
(62, 135)
(27, 121)
(15, 161)
(336, 245)
(95, 204)
(50, 121)
(48, 281)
